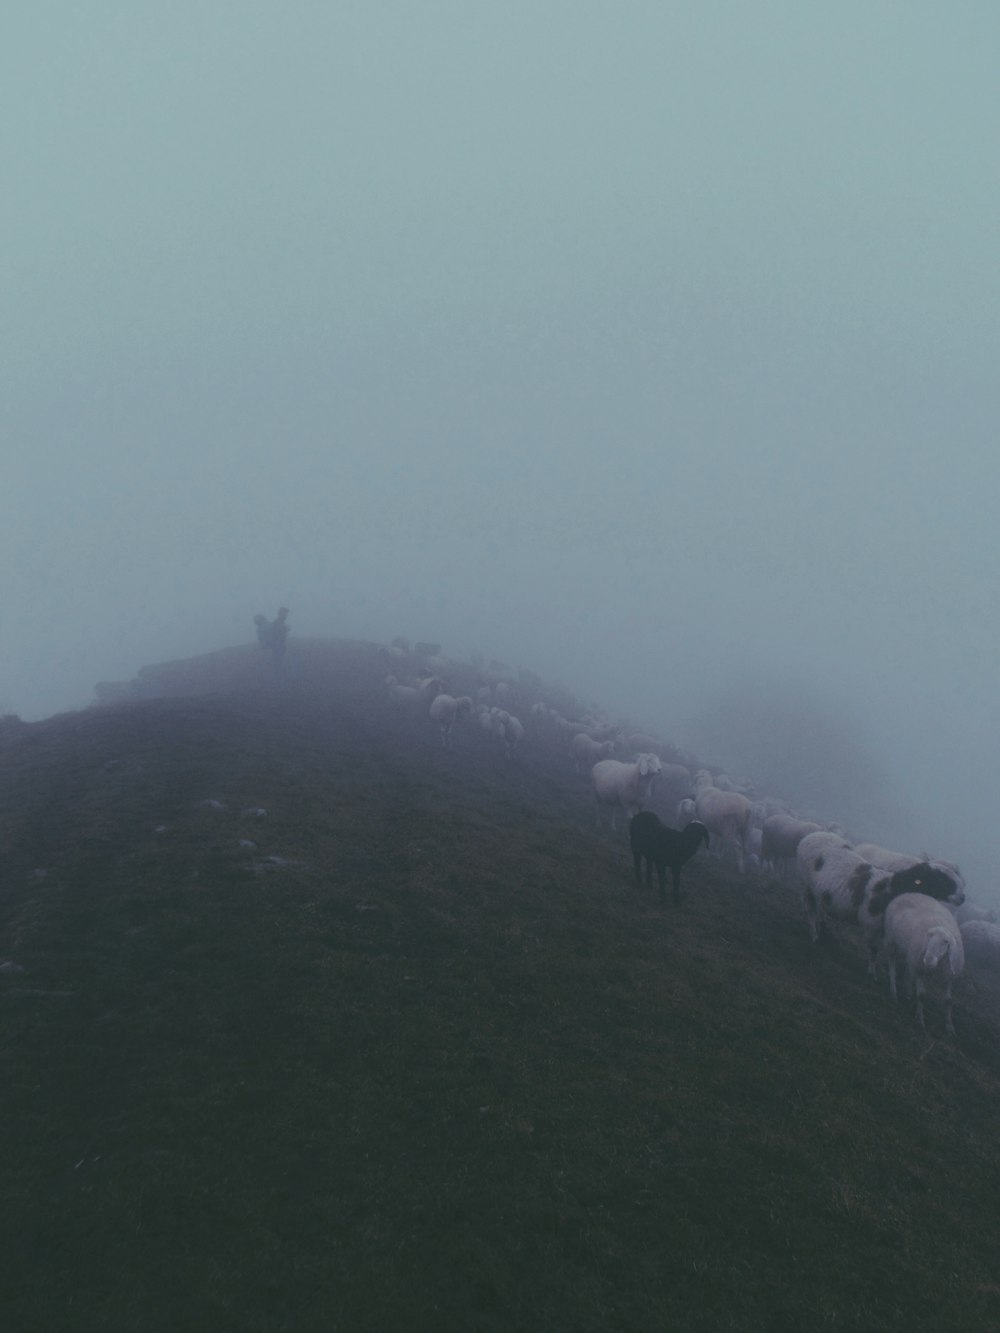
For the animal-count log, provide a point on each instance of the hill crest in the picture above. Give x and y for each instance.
(440, 1062)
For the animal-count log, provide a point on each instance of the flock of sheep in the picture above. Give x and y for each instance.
(911, 910)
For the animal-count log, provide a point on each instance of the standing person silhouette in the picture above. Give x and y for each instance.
(263, 630)
(279, 638)
(273, 634)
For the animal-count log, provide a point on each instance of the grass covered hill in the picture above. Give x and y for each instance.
(425, 1058)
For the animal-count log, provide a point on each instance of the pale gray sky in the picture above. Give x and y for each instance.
(650, 345)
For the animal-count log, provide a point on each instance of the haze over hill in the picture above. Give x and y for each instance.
(651, 346)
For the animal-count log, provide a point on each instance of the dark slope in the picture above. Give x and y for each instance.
(446, 1068)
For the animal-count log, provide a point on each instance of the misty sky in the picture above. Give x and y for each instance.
(652, 346)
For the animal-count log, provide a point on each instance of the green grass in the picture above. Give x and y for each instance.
(448, 1068)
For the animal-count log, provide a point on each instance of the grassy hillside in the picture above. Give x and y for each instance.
(442, 1066)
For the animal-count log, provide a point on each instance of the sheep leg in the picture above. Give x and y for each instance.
(873, 960)
(637, 862)
(811, 909)
(892, 978)
(918, 987)
(675, 873)
(661, 881)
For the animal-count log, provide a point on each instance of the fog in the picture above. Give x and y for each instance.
(651, 346)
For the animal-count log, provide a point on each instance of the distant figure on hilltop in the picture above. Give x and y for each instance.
(273, 634)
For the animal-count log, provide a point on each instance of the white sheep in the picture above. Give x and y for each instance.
(623, 786)
(640, 742)
(685, 811)
(982, 942)
(974, 912)
(504, 693)
(394, 655)
(673, 785)
(437, 664)
(726, 815)
(838, 883)
(445, 710)
(567, 728)
(512, 731)
(501, 723)
(587, 751)
(923, 936)
(780, 836)
(413, 696)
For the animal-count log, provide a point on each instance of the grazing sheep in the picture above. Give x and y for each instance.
(974, 912)
(923, 936)
(780, 838)
(672, 786)
(982, 942)
(600, 729)
(413, 696)
(726, 814)
(587, 751)
(394, 656)
(640, 742)
(837, 882)
(567, 728)
(623, 786)
(685, 810)
(502, 724)
(512, 731)
(656, 844)
(446, 710)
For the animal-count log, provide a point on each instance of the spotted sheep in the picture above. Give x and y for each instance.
(887, 860)
(837, 883)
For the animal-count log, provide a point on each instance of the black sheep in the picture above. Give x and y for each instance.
(661, 846)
